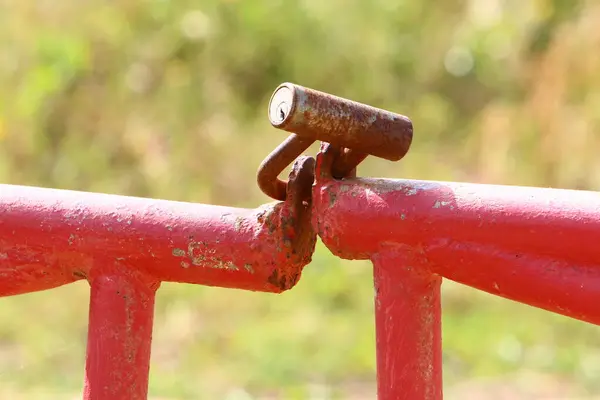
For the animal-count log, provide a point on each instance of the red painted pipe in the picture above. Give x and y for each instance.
(119, 337)
(126, 246)
(53, 237)
(408, 327)
(536, 246)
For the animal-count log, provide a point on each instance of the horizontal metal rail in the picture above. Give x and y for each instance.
(536, 246)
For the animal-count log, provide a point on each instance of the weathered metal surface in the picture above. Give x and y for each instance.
(343, 123)
(51, 237)
(119, 336)
(281, 157)
(126, 246)
(408, 327)
(310, 115)
(533, 245)
(344, 165)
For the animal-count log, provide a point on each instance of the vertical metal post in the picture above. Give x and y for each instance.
(119, 338)
(408, 328)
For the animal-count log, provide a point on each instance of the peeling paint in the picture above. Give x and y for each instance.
(227, 217)
(439, 204)
(174, 241)
(384, 185)
(231, 265)
(179, 253)
(200, 254)
(346, 188)
(332, 198)
(239, 223)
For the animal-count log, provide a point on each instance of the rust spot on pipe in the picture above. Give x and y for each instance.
(295, 223)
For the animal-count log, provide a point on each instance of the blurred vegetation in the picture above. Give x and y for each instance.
(168, 99)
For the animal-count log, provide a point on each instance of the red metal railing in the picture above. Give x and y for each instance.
(126, 246)
(535, 246)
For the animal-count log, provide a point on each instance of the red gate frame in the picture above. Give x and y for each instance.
(532, 245)
(535, 246)
(126, 246)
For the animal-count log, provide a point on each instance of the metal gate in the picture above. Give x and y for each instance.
(532, 245)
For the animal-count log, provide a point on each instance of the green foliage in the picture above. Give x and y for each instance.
(168, 100)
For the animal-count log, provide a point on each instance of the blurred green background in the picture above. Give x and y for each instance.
(167, 99)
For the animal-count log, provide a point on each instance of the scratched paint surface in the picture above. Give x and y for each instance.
(537, 246)
(52, 237)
